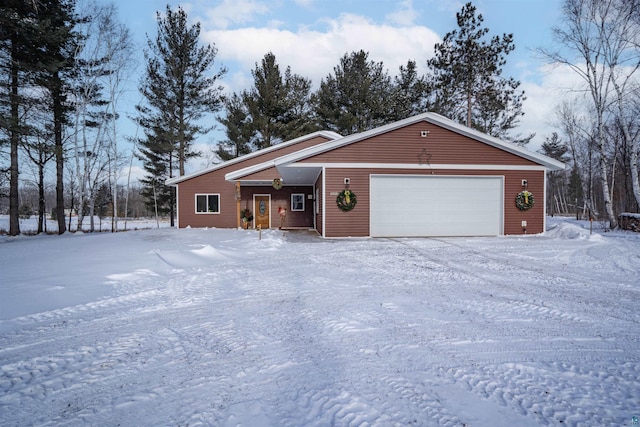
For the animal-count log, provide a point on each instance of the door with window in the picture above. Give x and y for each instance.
(262, 207)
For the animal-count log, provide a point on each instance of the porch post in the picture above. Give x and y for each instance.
(238, 200)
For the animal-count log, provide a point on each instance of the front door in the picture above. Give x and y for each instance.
(261, 207)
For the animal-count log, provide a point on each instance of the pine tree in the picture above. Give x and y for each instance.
(36, 50)
(355, 98)
(178, 92)
(237, 128)
(409, 92)
(466, 78)
(277, 105)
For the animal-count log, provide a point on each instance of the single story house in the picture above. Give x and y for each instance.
(422, 176)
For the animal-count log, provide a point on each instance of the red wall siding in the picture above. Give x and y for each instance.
(282, 198)
(355, 223)
(213, 182)
(405, 145)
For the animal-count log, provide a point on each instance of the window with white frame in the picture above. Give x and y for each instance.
(208, 203)
(297, 202)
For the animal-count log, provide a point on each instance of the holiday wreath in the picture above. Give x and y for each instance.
(524, 200)
(346, 200)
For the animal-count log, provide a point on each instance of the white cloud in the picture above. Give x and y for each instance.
(314, 53)
(557, 84)
(230, 12)
(405, 15)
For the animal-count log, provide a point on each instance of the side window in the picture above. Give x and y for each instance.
(297, 202)
(208, 203)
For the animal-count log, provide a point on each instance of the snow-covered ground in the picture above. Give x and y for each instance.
(166, 327)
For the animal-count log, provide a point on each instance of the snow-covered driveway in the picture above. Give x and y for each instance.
(215, 327)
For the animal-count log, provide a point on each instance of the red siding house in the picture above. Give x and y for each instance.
(422, 176)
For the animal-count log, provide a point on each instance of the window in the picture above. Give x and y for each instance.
(208, 203)
(297, 202)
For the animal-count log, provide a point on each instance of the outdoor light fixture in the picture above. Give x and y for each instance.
(524, 183)
(347, 181)
(424, 133)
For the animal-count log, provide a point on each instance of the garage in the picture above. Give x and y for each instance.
(427, 205)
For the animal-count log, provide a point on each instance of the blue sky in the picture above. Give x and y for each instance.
(312, 35)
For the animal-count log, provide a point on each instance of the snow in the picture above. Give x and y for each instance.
(218, 327)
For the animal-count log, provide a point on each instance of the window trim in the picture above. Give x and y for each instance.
(302, 197)
(207, 203)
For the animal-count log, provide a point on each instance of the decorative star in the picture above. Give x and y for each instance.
(424, 158)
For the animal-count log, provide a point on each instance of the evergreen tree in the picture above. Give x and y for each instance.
(178, 92)
(59, 47)
(17, 32)
(298, 106)
(237, 128)
(466, 78)
(157, 153)
(35, 41)
(355, 98)
(409, 92)
(278, 106)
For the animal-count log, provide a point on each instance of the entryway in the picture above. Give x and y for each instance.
(262, 209)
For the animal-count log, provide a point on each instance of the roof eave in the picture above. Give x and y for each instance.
(330, 135)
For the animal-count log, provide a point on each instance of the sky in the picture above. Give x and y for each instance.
(311, 36)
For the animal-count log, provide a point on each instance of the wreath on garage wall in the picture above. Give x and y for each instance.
(346, 200)
(524, 200)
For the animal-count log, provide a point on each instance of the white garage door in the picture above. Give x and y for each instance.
(417, 205)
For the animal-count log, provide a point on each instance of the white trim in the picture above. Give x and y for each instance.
(303, 195)
(234, 175)
(330, 135)
(324, 202)
(544, 207)
(207, 203)
(420, 167)
(254, 208)
(177, 208)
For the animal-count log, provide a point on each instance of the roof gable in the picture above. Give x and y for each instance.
(431, 118)
(329, 135)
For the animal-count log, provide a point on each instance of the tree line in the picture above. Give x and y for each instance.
(63, 71)
(598, 124)
(464, 82)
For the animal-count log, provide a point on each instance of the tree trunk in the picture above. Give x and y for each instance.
(633, 164)
(14, 218)
(41, 204)
(59, 149)
(602, 165)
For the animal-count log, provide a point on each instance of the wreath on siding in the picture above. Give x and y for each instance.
(346, 200)
(524, 200)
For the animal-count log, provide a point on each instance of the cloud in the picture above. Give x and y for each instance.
(556, 83)
(314, 52)
(405, 15)
(230, 12)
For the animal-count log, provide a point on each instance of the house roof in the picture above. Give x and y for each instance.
(288, 160)
(326, 134)
(432, 118)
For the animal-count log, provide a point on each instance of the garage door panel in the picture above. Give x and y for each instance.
(417, 205)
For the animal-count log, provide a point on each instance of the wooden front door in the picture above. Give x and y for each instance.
(262, 207)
